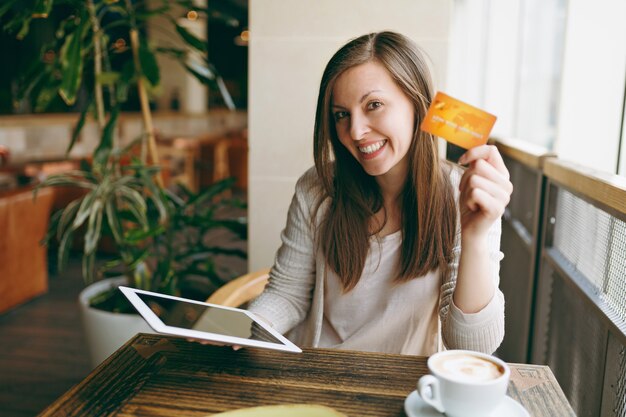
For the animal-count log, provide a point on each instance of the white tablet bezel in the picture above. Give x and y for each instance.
(155, 322)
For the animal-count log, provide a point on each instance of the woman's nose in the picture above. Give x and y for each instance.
(359, 126)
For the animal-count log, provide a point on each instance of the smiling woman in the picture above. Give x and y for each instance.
(383, 240)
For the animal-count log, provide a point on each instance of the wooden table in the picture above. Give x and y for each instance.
(155, 375)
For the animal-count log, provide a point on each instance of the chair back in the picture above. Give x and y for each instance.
(241, 290)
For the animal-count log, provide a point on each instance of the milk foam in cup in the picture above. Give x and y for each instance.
(464, 383)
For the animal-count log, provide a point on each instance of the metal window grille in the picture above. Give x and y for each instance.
(615, 288)
(594, 242)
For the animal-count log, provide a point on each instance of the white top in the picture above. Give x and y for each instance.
(404, 314)
(294, 299)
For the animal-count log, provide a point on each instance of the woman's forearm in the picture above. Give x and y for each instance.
(474, 286)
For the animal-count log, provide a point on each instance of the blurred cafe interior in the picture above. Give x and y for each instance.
(214, 102)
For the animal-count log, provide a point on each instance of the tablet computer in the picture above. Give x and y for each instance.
(188, 318)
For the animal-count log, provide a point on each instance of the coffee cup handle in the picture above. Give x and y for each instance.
(430, 396)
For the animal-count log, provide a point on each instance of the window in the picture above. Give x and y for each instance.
(553, 71)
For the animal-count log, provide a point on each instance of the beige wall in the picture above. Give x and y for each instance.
(291, 41)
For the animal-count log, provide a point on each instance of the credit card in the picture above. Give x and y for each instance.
(457, 122)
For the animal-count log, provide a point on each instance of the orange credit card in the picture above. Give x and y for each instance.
(457, 122)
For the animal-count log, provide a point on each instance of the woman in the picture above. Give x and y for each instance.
(386, 247)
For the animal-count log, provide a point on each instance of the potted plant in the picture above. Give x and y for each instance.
(160, 235)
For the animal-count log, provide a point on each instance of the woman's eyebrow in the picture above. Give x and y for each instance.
(363, 97)
(367, 94)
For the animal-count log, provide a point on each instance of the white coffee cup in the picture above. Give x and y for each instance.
(463, 383)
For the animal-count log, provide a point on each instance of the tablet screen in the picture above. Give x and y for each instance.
(204, 318)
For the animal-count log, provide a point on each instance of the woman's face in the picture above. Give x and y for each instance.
(374, 119)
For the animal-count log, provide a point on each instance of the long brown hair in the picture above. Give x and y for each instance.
(427, 201)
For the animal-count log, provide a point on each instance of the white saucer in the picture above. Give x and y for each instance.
(414, 406)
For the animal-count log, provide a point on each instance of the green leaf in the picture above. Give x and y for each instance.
(149, 65)
(108, 78)
(173, 52)
(126, 77)
(142, 276)
(117, 9)
(25, 28)
(214, 250)
(239, 228)
(42, 9)
(79, 126)
(52, 227)
(213, 190)
(84, 210)
(88, 266)
(138, 235)
(94, 226)
(146, 14)
(72, 65)
(116, 23)
(110, 264)
(17, 20)
(208, 76)
(67, 24)
(136, 204)
(80, 174)
(191, 39)
(157, 196)
(37, 76)
(185, 3)
(222, 11)
(64, 249)
(101, 154)
(204, 79)
(125, 180)
(114, 222)
(63, 180)
(45, 97)
(6, 7)
(66, 218)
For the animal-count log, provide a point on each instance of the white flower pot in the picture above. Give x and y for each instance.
(105, 331)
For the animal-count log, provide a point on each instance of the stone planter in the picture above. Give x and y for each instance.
(105, 331)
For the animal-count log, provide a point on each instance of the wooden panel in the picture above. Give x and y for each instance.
(525, 152)
(606, 189)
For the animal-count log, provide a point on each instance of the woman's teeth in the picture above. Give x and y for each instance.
(372, 148)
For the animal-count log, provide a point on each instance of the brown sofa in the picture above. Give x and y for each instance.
(23, 260)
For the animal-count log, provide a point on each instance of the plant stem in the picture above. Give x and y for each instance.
(110, 87)
(97, 61)
(145, 106)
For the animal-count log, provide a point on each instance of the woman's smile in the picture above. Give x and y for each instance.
(372, 150)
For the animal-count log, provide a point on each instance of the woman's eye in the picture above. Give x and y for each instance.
(373, 105)
(340, 115)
